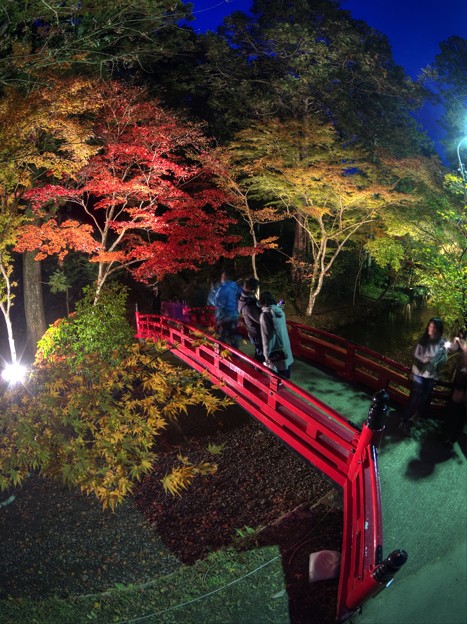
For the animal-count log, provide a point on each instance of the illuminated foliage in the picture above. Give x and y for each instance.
(232, 176)
(180, 477)
(94, 424)
(95, 403)
(40, 131)
(427, 240)
(442, 255)
(151, 204)
(330, 190)
(101, 327)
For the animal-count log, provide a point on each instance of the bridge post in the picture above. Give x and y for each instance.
(372, 431)
(350, 362)
(382, 576)
(376, 414)
(138, 335)
(385, 571)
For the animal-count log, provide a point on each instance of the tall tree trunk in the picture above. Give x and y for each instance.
(33, 301)
(300, 246)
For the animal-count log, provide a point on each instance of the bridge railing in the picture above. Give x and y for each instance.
(358, 364)
(318, 433)
(348, 360)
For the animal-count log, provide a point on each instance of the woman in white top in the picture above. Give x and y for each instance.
(429, 355)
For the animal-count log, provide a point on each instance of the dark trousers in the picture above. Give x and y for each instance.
(286, 373)
(228, 333)
(255, 339)
(454, 422)
(419, 398)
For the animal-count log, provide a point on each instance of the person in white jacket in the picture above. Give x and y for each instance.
(274, 335)
(429, 355)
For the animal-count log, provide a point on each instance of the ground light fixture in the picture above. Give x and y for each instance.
(14, 373)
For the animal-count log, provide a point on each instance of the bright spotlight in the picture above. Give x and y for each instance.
(14, 373)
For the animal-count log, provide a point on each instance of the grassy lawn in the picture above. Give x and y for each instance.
(225, 588)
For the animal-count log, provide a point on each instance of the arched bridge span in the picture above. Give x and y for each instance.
(317, 432)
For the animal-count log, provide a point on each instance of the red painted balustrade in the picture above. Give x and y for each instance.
(317, 432)
(348, 360)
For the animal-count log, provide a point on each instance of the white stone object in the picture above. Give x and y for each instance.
(324, 565)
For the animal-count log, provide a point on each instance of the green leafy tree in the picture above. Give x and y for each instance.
(451, 86)
(300, 59)
(73, 273)
(427, 238)
(103, 327)
(99, 37)
(330, 191)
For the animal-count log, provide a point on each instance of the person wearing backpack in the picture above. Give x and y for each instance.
(248, 307)
(274, 336)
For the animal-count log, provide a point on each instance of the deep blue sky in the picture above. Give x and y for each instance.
(414, 28)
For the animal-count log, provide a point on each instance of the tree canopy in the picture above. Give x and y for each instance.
(100, 37)
(147, 201)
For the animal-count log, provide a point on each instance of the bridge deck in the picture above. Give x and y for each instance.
(424, 489)
(424, 497)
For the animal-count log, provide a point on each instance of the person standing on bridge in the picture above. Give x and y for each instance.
(225, 300)
(429, 356)
(248, 307)
(457, 408)
(274, 336)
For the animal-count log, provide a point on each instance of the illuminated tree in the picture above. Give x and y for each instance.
(148, 202)
(329, 190)
(93, 38)
(94, 405)
(233, 177)
(427, 239)
(40, 132)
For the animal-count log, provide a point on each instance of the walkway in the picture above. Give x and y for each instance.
(424, 495)
(424, 500)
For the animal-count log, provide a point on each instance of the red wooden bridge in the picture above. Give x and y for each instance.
(317, 432)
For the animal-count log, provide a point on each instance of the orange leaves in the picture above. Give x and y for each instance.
(44, 129)
(53, 239)
(151, 201)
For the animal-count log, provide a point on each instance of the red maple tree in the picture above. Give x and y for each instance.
(146, 201)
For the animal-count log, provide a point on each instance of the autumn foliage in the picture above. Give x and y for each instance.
(92, 410)
(146, 201)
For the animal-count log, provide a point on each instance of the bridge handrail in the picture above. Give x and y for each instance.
(317, 432)
(349, 360)
(358, 363)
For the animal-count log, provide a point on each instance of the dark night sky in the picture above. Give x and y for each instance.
(414, 29)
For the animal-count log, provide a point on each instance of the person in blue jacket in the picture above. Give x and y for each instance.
(226, 302)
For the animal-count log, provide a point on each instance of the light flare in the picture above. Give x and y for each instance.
(14, 373)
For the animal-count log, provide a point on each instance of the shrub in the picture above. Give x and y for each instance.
(94, 424)
(101, 328)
